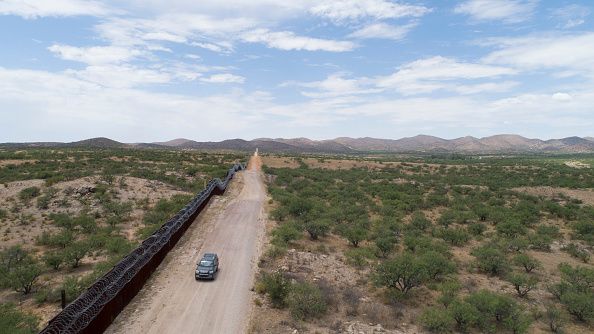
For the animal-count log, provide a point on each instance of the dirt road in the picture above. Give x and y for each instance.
(172, 301)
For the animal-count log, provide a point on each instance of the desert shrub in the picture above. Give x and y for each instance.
(385, 244)
(575, 251)
(437, 265)
(75, 252)
(464, 314)
(522, 283)
(18, 269)
(73, 288)
(584, 230)
(354, 233)
(284, 233)
(53, 259)
(118, 245)
(61, 239)
(305, 301)
(527, 262)
(352, 299)
(421, 244)
(510, 229)
(3, 214)
(402, 273)
(454, 236)
(437, 320)
(165, 209)
(580, 305)
(540, 242)
(477, 228)
(359, 257)
(44, 201)
(317, 228)
(576, 291)
(515, 244)
(555, 318)
(498, 310)
(28, 194)
(449, 291)
(276, 285)
(118, 211)
(490, 259)
(14, 321)
(420, 222)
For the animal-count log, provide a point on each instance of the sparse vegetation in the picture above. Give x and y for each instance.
(77, 211)
(456, 224)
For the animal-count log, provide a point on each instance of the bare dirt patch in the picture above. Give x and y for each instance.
(15, 162)
(584, 195)
(576, 164)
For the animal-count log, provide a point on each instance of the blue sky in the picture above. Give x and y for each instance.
(151, 70)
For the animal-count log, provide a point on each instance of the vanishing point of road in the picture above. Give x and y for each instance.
(172, 301)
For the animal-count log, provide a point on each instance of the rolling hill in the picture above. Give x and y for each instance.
(504, 143)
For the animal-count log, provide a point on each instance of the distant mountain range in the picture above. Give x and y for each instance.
(420, 143)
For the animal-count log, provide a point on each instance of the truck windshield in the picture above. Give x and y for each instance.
(205, 263)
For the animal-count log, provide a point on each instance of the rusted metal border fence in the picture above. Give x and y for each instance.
(95, 309)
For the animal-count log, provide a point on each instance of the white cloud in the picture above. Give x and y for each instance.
(115, 76)
(383, 31)
(224, 78)
(508, 11)
(431, 74)
(571, 54)
(343, 10)
(563, 97)
(31, 9)
(286, 40)
(96, 54)
(571, 16)
(333, 86)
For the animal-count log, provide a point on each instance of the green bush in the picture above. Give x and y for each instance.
(276, 286)
(580, 305)
(305, 301)
(14, 321)
(575, 251)
(28, 194)
(527, 262)
(464, 314)
(53, 259)
(510, 229)
(437, 265)
(449, 291)
(585, 230)
(75, 252)
(437, 320)
(354, 233)
(359, 257)
(490, 259)
(385, 244)
(403, 273)
(317, 228)
(284, 233)
(498, 310)
(477, 228)
(555, 319)
(522, 283)
(454, 236)
(420, 222)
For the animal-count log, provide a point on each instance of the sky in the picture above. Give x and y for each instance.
(155, 70)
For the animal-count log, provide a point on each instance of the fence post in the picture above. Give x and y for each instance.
(63, 294)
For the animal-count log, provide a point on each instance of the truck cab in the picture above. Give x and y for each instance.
(207, 267)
